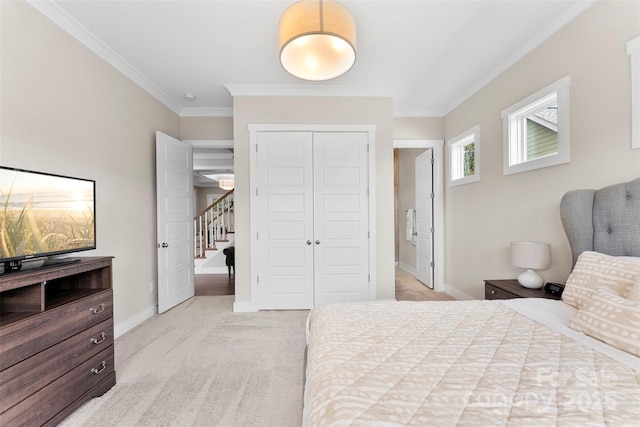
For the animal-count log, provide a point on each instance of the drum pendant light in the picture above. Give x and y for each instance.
(317, 40)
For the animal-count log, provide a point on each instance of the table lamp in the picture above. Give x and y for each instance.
(532, 256)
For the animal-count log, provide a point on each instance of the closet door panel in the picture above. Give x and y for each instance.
(341, 229)
(285, 203)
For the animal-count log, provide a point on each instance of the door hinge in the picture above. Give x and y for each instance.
(257, 237)
(256, 148)
(431, 229)
(367, 148)
(257, 279)
(433, 196)
(431, 263)
(432, 161)
(368, 234)
(256, 192)
(369, 277)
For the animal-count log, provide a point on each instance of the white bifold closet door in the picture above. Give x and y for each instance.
(313, 230)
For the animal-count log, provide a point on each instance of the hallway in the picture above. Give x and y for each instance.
(215, 284)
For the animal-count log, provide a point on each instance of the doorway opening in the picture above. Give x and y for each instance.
(213, 163)
(418, 223)
(215, 284)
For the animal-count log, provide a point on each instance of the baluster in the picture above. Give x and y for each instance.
(229, 212)
(222, 223)
(200, 235)
(212, 242)
(195, 239)
(215, 222)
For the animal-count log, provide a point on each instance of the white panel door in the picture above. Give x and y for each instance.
(341, 212)
(285, 225)
(424, 215)
(174, 188)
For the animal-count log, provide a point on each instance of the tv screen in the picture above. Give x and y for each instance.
(43, 214)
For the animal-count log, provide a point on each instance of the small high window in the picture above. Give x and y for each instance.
(536, 130)
(464, 152)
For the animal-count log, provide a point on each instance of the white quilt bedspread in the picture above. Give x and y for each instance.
(468, 363)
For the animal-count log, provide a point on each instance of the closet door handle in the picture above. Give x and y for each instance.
(317, 242)
(308, 242)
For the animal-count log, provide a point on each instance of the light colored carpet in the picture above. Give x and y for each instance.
(202, 365)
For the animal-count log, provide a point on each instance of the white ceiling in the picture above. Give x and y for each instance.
(428, 55)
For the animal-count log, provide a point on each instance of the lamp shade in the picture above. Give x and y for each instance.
(226, 184)
(317, 40)
(533, 255)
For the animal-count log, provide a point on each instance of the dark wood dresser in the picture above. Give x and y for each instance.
(510, 288)
(56, 340)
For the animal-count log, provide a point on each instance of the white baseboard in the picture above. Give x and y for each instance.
(122, 328)
(244, 307)
(457, 293)
(407, 267)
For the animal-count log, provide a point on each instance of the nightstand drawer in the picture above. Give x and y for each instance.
(510, 288)
(493, 292)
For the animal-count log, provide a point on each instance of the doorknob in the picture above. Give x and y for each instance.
(308, 242)
(317, 242)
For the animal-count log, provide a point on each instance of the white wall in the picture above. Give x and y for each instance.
(418, 128)
(218, 128)
(64, 110)
(482, 218)
(303, 110)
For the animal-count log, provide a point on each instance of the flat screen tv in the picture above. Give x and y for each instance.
(44, 216)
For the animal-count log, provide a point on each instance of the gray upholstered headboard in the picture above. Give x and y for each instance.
(605, 220)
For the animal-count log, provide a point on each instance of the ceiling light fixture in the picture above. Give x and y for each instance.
(226, 184)
(225, 181)
(317, 40)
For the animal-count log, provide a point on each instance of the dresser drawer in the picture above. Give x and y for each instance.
(38, 408)
(493, 292)
(27, 377)
(27, 337)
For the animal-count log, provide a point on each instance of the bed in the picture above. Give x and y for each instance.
(510, 362)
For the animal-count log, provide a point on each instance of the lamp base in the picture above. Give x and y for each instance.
(530, 279)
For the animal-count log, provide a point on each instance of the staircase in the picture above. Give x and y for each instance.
(213, 231)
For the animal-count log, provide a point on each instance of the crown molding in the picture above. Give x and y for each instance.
(206, 112)
(535, 41)
(84, 36)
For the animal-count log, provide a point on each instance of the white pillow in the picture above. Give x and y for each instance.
(635, 259)
(608, 317)
(595, 270)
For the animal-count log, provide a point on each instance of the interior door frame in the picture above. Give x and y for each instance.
(254, 129)
(437, 145)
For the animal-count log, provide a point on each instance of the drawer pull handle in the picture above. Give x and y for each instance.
(103, 336)
(97, 371)
(493, 292)
(100, 309)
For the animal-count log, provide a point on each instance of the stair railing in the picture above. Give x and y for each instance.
(214, 224)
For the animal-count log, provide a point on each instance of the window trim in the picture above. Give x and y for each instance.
(512, 157)
(456, 145)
